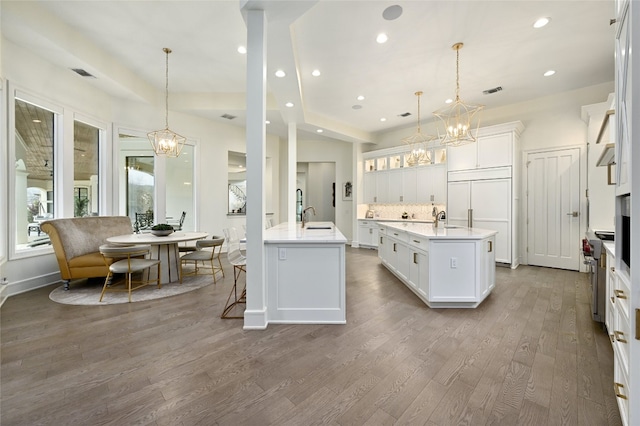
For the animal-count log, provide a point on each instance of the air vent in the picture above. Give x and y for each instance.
(492, 91)
(405, 114)
(228, 116)
(82, 72)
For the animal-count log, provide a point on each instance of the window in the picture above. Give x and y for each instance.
(34, 144)
(86, 143)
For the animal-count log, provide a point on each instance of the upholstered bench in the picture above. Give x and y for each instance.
(76, 243)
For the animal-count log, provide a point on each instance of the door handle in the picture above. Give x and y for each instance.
(573, 214)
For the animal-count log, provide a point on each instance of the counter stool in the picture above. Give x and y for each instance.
(131, 259)
(239, 262)
(200, 255)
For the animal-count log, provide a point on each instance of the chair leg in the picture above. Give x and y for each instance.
(234, 292)
(66, 284)
(129, 284)
(107, 280)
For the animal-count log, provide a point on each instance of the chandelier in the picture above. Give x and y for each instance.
(418, 143)
(458, 116)
(165, 141)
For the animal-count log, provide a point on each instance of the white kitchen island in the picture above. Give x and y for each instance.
(445, 267)
(305, 274)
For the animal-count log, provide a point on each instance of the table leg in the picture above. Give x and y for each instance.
(169, 257)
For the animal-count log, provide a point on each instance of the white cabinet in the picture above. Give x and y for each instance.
(444, 272)
(409, 185)
(382, 187)
(431, 182)
(369, 188)
(490, 201)
(482, 177)
(367, 233)
(495, 150)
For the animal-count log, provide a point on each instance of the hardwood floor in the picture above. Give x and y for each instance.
(529, 355)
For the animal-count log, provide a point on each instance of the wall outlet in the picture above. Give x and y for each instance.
(454, 262)
(282, 253)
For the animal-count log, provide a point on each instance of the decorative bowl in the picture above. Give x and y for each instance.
(162, 233)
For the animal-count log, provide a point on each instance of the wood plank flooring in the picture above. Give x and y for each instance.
(529, 355)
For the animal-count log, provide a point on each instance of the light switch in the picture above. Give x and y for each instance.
(454, 262)
(282, 253)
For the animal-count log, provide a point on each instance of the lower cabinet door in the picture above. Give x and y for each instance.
(419, 272)
(402, 260)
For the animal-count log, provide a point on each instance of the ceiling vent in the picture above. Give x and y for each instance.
(228, 116)
(82, 72)
(405, 114)
(492, 91)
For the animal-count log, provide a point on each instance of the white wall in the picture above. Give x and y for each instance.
(340, 153)
(213, 140)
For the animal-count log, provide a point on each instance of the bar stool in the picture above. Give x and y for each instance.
(239, 262)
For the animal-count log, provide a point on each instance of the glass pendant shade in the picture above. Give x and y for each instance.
(166, 142)
(418, 143)
(458, 117)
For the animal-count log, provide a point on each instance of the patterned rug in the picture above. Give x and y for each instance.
(87, 292)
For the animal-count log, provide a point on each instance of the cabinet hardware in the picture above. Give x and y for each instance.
(416, 241)
(380, 240)
(613, 299)
(613, 339)
(637, 324)
(618, 335)
(394, 246)
(617, 387)
(395, 234)
(470, 218)
(613, 269)
(370, 231)
(573, 214)
(490, 246)
(415, 259)
(619, 294)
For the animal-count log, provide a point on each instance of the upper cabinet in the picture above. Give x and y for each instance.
(494, 148)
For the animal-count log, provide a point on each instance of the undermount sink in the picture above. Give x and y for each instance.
(317, 227)
(452, 226)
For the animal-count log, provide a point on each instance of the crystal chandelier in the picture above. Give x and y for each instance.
(458, 116)
(165, 141)
(418, 143)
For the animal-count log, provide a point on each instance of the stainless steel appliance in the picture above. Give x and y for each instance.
(596, 257)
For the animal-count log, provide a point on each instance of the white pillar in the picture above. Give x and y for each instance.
(292, 161)
(255, 316)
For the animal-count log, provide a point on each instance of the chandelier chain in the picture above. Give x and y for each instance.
(458, 74)
(166, 87)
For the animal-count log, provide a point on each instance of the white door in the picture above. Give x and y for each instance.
(553, 209)
(491, 204)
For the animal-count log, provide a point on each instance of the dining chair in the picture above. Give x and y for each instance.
(178, 227)
(239, 262)
(201, 254)
(132, 259)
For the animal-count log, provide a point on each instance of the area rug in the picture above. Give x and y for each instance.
(87, 292)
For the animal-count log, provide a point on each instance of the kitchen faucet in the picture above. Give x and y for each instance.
(304, 213)
(439, 216)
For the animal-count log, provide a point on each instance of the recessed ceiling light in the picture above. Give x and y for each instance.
(280, 73)
(541, 22)
(448, 101)
(319, 130)
(382, 38)
(267, 122)
(242, 50)
(383, 119)
(35, 120)
(392, 12)
(289, 105)
(315, 73)
(360, 98)
(549, 73)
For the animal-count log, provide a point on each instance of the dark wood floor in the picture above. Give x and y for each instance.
(529, 355)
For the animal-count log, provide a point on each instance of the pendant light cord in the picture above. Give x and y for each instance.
(166, 88)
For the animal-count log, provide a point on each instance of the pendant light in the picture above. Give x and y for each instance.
(459, 128)
(166, 142)
(418, 143)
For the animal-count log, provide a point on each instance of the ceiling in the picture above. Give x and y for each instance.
(120, 43)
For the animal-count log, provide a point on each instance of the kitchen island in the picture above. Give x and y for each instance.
(446, 267)
(305, 274)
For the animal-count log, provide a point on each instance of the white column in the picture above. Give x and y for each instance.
(292, 160)
(255, 316)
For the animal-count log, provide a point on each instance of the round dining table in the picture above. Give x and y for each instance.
(165, 249)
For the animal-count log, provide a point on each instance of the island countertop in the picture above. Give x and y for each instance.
(429, 231)
(294, 233)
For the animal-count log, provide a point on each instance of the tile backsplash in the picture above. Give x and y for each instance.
(394, 211)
